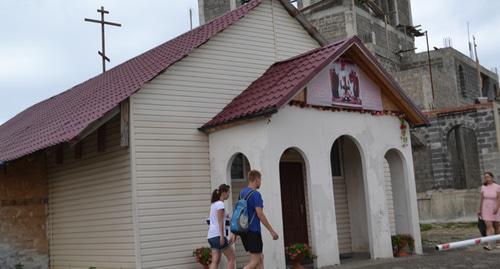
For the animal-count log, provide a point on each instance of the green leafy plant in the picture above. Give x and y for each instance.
(425, 227)
(19, 266)
(203, 255)
(401, 241)
(297, 249)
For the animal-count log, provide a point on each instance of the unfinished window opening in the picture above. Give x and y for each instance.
(486, 87)
(464, 158)
(461, 80)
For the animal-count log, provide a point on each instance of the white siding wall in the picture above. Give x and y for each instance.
(172, 170)
(90, 208)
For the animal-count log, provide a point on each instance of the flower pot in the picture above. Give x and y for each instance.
(297, 260)
(206, 266)
(403, 250)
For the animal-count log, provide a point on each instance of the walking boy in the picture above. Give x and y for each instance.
(252, 240)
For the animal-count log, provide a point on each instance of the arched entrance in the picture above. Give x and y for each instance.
(238, 171)
(350, 199)
(396, 190)
(294, 197)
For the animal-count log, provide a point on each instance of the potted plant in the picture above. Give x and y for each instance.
(297, 252)
(402, 245)
(203, 256)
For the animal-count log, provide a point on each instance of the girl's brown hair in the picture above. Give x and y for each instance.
(491, 175)
(217, 192)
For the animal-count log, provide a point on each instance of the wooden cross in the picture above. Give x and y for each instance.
(103, 22)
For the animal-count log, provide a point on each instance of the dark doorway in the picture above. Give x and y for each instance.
(293, 203)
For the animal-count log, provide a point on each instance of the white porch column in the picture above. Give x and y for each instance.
(322, 206)
(412, 198)
(267, 162)
(379, 230)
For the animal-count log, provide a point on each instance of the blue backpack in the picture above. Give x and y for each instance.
(239, 220)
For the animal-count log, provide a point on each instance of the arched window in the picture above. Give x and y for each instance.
(239, 167)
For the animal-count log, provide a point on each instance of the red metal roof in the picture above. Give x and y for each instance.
(278, 85)
(62, 117)
(282, 81)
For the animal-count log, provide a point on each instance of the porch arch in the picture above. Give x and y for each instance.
(350, 198)
(397, 192)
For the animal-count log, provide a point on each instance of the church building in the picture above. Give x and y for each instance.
(117, 171)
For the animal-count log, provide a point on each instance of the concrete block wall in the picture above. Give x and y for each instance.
(23, 200)
(447, 206)
(329, 18)
(480, 120)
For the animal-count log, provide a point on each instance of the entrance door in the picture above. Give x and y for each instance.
(293, 203)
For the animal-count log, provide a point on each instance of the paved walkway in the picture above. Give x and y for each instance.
(473, 257)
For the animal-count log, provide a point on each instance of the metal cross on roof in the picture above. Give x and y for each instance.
(103, 22)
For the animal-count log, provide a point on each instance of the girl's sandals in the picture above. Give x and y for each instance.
(487, 248)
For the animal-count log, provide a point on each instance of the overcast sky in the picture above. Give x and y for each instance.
(46, 47)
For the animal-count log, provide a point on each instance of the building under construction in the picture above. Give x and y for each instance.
(460, 97)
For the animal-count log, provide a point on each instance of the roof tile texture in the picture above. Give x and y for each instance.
(277, 85)
(64, 116)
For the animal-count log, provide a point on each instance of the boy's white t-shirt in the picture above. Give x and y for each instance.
(214, 230)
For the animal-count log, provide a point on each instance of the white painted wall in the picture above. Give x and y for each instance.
(313, 132)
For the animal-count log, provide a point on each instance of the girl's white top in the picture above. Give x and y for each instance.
(214, 229)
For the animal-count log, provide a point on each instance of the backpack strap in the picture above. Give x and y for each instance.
(249, 194)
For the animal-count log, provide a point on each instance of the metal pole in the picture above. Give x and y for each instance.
(430, 66)
(387, 37)
(466, 243)
(478, 66)
(103, 42)
(190, 19)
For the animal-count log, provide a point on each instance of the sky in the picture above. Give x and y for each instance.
(46, 47)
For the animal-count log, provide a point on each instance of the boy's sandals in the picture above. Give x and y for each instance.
(487, 248)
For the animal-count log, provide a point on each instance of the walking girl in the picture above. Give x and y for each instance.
(489, 204)
(218, 242)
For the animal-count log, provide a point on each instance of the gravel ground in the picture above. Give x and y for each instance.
(471, 257)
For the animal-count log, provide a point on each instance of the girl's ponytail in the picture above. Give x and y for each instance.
(215, 196)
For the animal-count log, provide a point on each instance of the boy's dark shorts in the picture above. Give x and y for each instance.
(252, 241)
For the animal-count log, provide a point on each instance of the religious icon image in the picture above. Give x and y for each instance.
(345, 83)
